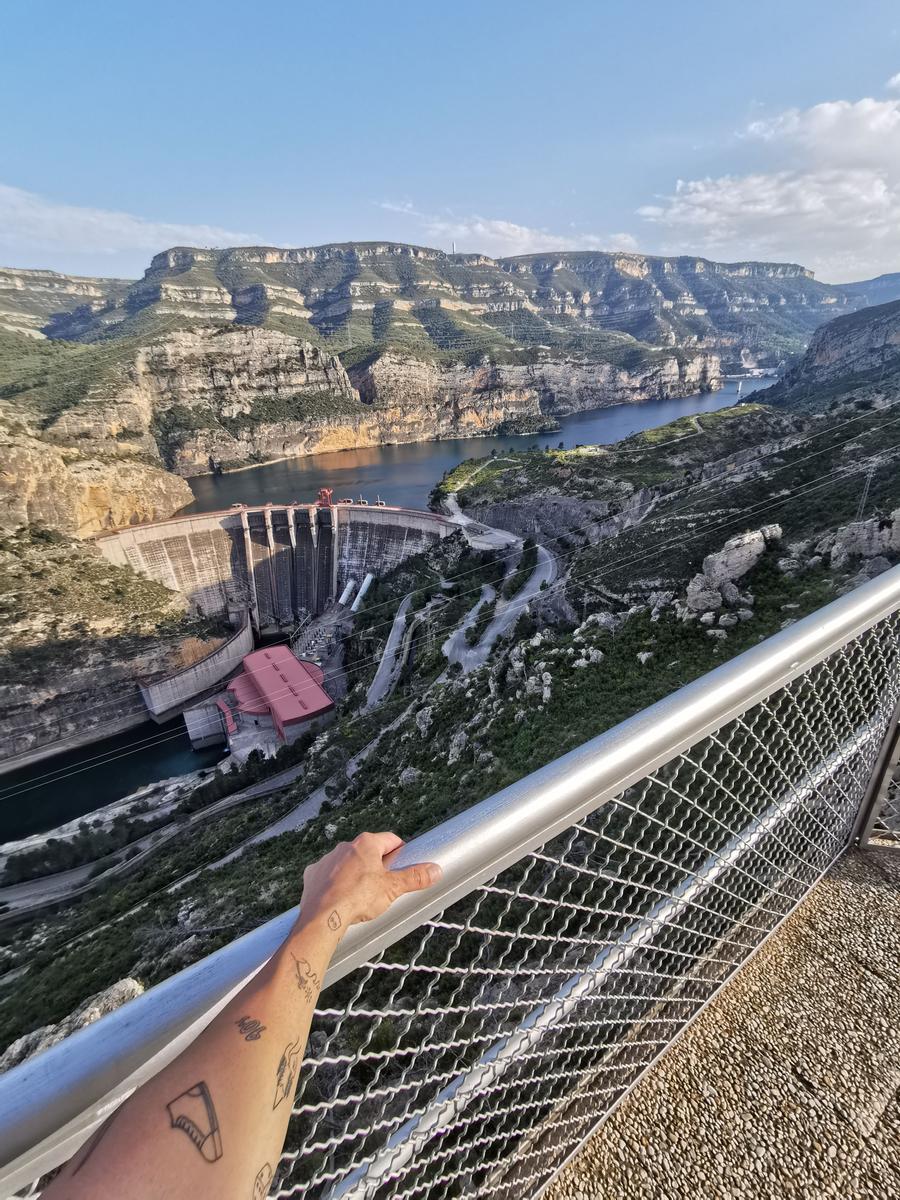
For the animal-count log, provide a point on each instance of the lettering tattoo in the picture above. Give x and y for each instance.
(194, 1114)
(250, 1028)
(93, 1142)
(308, 982)
(261, 1183)
(334, 920)
(286, 1076)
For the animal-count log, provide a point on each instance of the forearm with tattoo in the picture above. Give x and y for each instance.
(213, 1122)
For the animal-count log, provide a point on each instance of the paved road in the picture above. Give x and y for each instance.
(34, 894)
(456, 649)
(507, 613)
(384, 676)
(481, 537)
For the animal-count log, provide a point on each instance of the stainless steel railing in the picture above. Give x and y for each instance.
(467, 1043)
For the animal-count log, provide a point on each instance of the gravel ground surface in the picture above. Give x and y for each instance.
(788, 1085)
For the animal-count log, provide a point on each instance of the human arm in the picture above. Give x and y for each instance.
(212, 1123)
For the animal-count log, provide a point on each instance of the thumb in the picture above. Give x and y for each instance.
(416, 878)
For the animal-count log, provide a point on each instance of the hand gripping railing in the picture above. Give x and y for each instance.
(468, 1041)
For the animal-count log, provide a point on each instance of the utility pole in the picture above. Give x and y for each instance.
(865, 495)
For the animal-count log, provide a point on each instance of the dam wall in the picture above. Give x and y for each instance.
(279, 562)
(167, 696)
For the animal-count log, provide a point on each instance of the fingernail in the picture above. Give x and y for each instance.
(434, 873)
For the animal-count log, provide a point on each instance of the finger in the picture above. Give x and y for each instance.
(384, 842)
(416, 878)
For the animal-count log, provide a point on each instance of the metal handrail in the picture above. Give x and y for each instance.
(49, 1103)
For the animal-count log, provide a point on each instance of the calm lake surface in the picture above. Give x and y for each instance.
(404, 475)
(71, 784)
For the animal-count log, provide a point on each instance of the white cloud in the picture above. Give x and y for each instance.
(500, 238)
(893, 84)
(32, 226)
(831, 199)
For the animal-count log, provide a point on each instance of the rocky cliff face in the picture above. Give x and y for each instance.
(199, 400)
(858, 353)
(85, 689)
(76, 635)
(411, 397)
(211, 399)
(50, 485)
(383, 294)
(29, 299)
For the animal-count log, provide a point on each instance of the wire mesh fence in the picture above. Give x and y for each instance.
(473, 1057)
(886, 825)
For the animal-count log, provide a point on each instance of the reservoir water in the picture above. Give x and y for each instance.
(404, 475)
(48, 793)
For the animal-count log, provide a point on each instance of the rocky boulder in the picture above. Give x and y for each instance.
(866, 539)
(702, 595)
(91, 1010)
(739, 555)
(457, 745)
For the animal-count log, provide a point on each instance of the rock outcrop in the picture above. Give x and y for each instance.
(76, 635)
(51, 485)
(413, 395)
(862, 539)
(204, 399)
(715, 584)
(858, 353)
(91, 1010)
(739, 555)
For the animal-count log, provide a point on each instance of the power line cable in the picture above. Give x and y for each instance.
(580, 529)
(844, 471)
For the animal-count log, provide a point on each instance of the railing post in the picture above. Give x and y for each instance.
(879, 783)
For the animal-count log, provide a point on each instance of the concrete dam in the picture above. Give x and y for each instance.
(280, 563)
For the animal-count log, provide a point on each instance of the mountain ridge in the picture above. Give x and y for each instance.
(217, 359)
(353, 297)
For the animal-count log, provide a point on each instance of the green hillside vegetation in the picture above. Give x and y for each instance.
(52, 293)
(37, 375)
(651, 458)
(154, 941)
(39, 380)
(62, 603)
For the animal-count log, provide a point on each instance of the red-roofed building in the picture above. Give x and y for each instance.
(275, 691)
(277, 685)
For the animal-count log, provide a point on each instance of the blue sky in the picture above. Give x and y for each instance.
(507, 127)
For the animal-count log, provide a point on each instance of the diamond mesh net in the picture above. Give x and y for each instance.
(475, 1055)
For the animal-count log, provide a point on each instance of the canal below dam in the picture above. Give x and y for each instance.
(69, 785)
